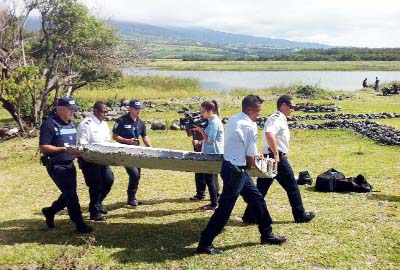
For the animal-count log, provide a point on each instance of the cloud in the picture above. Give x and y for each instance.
(363, 23)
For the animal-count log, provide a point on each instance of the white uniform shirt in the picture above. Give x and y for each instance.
(92, 130)
(277, 125)
(240, 139)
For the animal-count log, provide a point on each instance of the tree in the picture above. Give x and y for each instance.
(72, 49)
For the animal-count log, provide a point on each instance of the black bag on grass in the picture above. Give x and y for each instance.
(335, 181)
(327, 181)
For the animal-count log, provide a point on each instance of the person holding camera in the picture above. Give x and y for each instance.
(240, 152)
(56, 134)
(212, 142)
(98, 178)
(127, 130)
(276, 145)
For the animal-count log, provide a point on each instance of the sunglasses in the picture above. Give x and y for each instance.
(290, 106)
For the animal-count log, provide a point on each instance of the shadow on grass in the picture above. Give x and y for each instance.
(118, 205)
(383, 197)
(139, 242)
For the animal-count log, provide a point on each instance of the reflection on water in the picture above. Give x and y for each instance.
(229, 80)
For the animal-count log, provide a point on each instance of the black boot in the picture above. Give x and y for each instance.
(97, 216)
(132, 201)
(307, 217)
(271, 239)
(304, 178)
(48, 214)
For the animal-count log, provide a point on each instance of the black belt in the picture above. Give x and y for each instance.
(66, 162)
(281, 154)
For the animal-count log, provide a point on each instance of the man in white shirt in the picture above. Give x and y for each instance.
(276, 144)
(99, 178)
(239, 155)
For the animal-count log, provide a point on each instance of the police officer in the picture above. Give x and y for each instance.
(241, 136)
(276, 145)
(99, 178)
(56, 133)
(127, 130)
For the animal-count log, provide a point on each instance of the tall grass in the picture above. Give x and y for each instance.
(143, 87)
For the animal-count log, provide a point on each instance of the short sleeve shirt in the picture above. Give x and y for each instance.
(128, 128)
(240, 139)
(92, 130)
(277, 125)
(215, 134)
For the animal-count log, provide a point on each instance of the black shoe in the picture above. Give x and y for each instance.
(83, 228)
(272, 239)
(307, 217)
(248, 221)
(196, 198)
(134, 202)
(304, 178)
(97, 217)
(103, 210)
(49, 217)
(208, 250)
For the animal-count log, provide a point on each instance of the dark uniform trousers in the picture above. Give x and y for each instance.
(64, 176)
(201, 183)
(235, 184)
(287, 180)
(134, 178)
(99, 179)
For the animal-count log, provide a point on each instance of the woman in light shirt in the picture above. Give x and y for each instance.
(212, 143)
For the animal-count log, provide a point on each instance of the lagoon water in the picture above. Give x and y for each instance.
(229, 80)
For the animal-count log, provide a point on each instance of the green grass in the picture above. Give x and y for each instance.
(143, 87)
(351, 231)
(274, 65)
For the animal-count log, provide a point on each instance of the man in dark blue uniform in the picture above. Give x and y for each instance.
(127, 130)
(56, 134)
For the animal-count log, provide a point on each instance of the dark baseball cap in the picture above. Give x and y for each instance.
(68, 102)
(136, 104)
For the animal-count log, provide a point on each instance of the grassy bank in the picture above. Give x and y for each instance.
(351, 231)
(275, 65)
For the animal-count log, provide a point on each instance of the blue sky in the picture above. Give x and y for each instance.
(362, 23)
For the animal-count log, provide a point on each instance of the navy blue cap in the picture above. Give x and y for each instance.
(136, 104)
(68, 102)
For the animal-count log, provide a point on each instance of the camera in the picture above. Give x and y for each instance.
(193, 119)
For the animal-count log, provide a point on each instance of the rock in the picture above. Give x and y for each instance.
(159, 125)
(175, 126)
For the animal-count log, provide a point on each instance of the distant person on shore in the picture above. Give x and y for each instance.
(365, 84)
(376, 87)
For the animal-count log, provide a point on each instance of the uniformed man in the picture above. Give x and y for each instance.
(56, 133)
(99, 178)
(276, 145)
(127, 130)
(241, 136)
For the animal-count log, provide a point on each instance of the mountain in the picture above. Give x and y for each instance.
(206, 36)
(164, 42)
